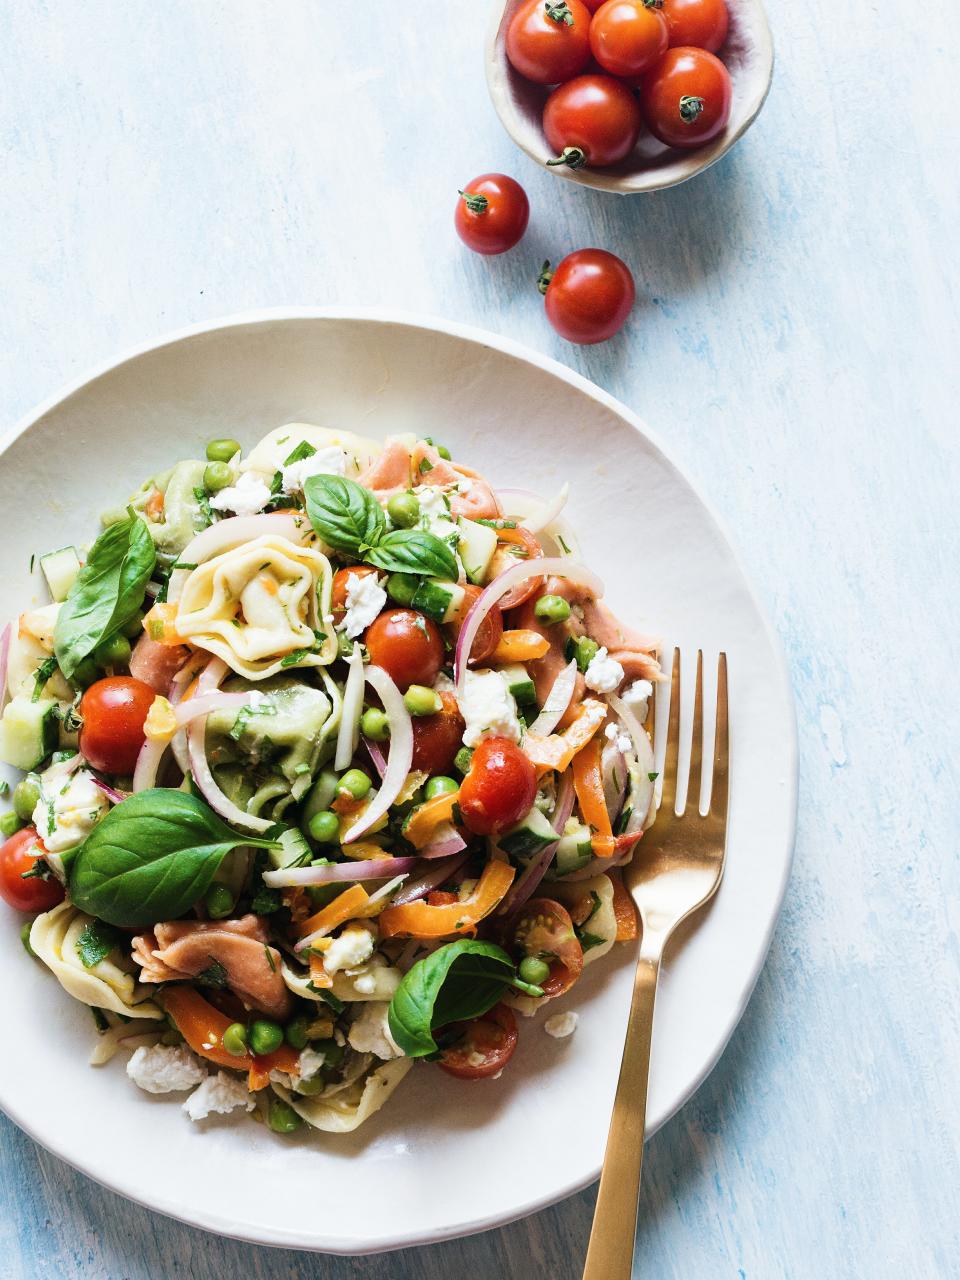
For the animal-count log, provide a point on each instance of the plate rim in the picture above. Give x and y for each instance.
(401, 317)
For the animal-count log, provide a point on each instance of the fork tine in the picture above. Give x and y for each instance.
(694, 778)
(721, 747)
(669, 794)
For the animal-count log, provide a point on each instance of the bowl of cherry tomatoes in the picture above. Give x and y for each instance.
(628, 95)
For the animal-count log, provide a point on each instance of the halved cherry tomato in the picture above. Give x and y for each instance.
(492, 213)
(338, 596)
(499, 789)
(113, 712)
(701, 23)
(628, 36)
(589, 296)
(438, 738)
(516, 544)
(17, 856)
(593, 120)
(485, 1047)
(544, 929)
(407, 645)
(549, 41)
(686, 98)
(491, 629)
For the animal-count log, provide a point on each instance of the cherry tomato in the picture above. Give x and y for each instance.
(491, 629)
(545, 930)
(492, 213)
(113, 712)
(438, 738)
(17, 855)
(499, 789)
(407, 645)
(686, 98)
(338, 596)
(594, 5)
(549, 41)
(589, 296)
(516, 544)
(628, 36)
(593, 120)
(701, 23)
(485, 1047)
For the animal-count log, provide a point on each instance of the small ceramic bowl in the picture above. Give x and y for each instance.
(748, 55)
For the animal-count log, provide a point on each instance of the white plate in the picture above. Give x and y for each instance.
(444, 1158)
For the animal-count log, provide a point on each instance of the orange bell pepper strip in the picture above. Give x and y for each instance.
(160, 624)
(624, 908)
(283, 1059)
(344, 907)
(520, 646)
(557, 749)
(202, 1026)
(588, 782)
(421, 920)
(425, 819)
(318, 974)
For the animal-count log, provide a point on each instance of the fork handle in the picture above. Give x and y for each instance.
(610, 1252)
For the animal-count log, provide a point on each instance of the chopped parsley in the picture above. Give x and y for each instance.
(303, 450)
(652, 777)
(265, 901)
(246, 714)
(326, 996)
(95, 943)
(203, 502)
(215, 975)
(425, 466)
(563, 545)
(268, 952)
(43, 674)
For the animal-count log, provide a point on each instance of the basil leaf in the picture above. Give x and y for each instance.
(344, 514)
(458, 981)
(151, 858)
(107, 593)
(414, 551)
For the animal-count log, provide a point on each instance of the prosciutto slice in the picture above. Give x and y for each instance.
(156, 664)
(390, 473)
(474, 497)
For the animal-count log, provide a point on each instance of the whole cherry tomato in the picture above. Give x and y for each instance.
(628, 36)
(589, 296)
(485, 1046)
(686, 97)
(549, 40)
(17, 856)
(594, 5)
(545, 930)
(593, 120)
(113, 712)
(700, 23)
(407, 645)
(492, 213)
(338, 596)
(491, 628)
(438, 738)
(499, 789)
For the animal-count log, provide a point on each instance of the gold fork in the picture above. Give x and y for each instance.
(676, 869)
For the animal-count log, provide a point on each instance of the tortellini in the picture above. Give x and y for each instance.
(181, 518)
(105, 985)
(31, 643)
(270, 455)
(284, 730)
(376, 979)
(341, 1110)
(262, 607)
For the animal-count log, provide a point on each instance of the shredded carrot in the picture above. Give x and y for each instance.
(520, 646)
(424, 820)
(318, 974)
(343, 907)
(557, 749)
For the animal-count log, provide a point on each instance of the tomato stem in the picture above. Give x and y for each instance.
(475, 202)
(559, 12)
(545, 276)
(572, 157)
(690, 108)
(653, 4)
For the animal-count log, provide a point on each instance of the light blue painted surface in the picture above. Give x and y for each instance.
(795, 341)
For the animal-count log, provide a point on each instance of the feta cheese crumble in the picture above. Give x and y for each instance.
(561, 1025)
(489, 708)
(604, 674)
(247, 497)
(325, 462)
(435, 514)
(365, 598)
(623, 740)
(162, 1068)
(636, 696)
(370, 1033)
(70, 805)
(309, 1063)
(352, 948)
(218, 1095)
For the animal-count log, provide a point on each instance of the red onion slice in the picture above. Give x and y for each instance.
(401, 752)
(230, 533)
(348, 733)
(448, 840)
(365, 869)
(613, 768)
(558, 699)
(512, 577)
(4, 663)
(643, 800)
(377, 758)
(438, 874)
(545, 512)
(111, 793)
(153, 749)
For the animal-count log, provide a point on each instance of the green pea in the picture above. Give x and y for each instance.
(552, 609)
(586, 651)
(222, 450)
(295, 1032)
(332, 1052)
(9, 824)
(316, 1084)
(344, 644)
(133, 629)
(534, 970)
(265, 1036)
(462, 760)
(442, 449)
(235, 1039)
(216, 476)
(85, 673)
(25, 938)
(421, 701)
(403, 510)
(281, 1117)
(356, 783)
(26, 797)
(375, 724)
(112, 652)
(402, 587)
(440, 786)
(219, 901)
(324, 827)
